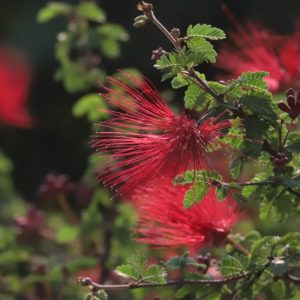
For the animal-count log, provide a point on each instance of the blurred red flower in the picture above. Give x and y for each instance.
(146, 138)
(14, 88)
(163, 221)
(254, 48)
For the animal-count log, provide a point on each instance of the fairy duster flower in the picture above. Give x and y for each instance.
(254, 48)
(164, 222)
(145, 138)
(14, 87)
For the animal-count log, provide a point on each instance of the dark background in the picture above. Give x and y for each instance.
(59, 142)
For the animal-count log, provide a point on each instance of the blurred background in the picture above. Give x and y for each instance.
(58, 141)
(45, 134)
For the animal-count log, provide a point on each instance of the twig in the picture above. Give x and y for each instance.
(96, 287)
(287, 134)
(70, 214)
(147, 9)
(237, 246)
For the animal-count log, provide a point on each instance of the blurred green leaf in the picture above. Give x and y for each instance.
(91, 11)
(53, 10)
(110, 48)
(113, 31)
(92, 106)
(67, 234)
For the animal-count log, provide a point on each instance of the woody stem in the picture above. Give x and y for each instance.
(147, 9)
(237, 246)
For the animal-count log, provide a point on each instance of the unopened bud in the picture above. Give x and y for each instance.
(158, 53)
(175, 32)
(139, 24)
(145, 7)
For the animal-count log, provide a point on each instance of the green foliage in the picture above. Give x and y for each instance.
(137, 270)
(53, 10)
(170, 64)
(81, 71)
(92, 106)
(89, 10)
(180, 262)
(201, 176)
(205, 31)
(234, 265)
(195, 98)
(195, 194)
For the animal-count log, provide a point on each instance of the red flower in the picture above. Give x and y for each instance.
(254, 48)
(145, 138)
(163, 221)
(14, 85)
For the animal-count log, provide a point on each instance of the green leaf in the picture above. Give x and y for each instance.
(200, 50)
(170, 64)
(102, 295)
(179, 81)
(186, 290)
(195, 98)
(91, 11)
(254, 80)
(258, 105)
(137, 270)
(110, 48)
(221, 192)
(234, 265)
(114, 31)
(53, 10)
(179, 262)
(195, 194)
(293, 144)
(278, 289)
(205, 31)
(67, 234)
(192, 176)
(128, 271)
(92, 106)
(155, 274)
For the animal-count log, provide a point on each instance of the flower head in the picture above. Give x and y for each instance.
(254, 48)
(29, 225)
(14, 86)
(163, 221)
(145, 137)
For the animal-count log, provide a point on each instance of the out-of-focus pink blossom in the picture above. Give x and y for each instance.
(15, 77)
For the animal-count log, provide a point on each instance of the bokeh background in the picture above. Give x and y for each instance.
(59, 142)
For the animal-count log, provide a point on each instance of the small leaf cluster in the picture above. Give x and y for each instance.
(137, 270)
(80, 48)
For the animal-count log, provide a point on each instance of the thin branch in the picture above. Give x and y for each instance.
(293, 192)
(292, 278)
(237, 246)
(147, 9)
(135, 285)
(287, 134)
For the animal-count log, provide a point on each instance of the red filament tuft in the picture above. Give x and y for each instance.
(163, 221)
(146, 138)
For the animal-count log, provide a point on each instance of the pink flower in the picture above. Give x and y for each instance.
(14, 86)
(254, 48)
(146, 138)
(164, 222)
